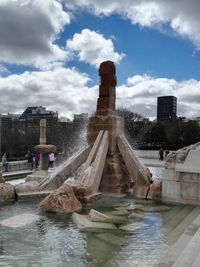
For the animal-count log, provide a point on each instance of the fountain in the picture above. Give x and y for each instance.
(114, 230)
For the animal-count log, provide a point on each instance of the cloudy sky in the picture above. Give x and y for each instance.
(50, 52)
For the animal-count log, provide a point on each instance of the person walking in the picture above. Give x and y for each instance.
(37, 159)
(51, 159)
(161, 154)
(5, 162)
(30, 157)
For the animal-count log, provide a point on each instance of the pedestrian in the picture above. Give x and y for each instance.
(5, 162)
(161, 154)
(30, 157)
(37, 159)
(51, 159)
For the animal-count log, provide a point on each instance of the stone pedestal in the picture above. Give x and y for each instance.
(112, 123)
(115, 178)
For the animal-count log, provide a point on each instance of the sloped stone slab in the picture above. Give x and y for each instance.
(85, 225)
(136, 216)
(20, 220)
(120, 212)
(96, 216)
(132, 227)
(156, 208)
(111, 238)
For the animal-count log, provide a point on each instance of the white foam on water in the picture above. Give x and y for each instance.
(20, 220)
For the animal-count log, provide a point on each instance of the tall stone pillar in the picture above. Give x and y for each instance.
(105, 117)
(43, 126)
(114, 177)
(44, 149)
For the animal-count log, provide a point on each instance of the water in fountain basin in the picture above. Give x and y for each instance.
(54, 240)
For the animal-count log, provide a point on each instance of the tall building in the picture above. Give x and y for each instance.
(166, 108)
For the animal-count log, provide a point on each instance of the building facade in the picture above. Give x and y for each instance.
(166, 108)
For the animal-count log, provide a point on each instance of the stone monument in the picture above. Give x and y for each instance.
(44, 151)
(115, 177)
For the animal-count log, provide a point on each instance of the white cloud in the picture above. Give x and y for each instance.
(64, 90)
(91, 47)
(181, 15)
(141, 91)
(28, 30)
(3, 69)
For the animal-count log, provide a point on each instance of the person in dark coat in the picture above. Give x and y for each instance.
(161, 154)
(30, 157)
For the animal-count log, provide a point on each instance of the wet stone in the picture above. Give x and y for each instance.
(132, 226)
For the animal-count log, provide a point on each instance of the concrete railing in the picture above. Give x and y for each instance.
(15, 165)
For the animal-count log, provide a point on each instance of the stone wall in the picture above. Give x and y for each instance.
(16, 165)
(181, 176)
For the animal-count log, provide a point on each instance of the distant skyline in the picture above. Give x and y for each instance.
(50, 52)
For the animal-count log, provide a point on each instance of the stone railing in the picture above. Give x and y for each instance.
(16, 165)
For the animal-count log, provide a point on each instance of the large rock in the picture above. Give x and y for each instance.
(61, 200)
(179, 156)
(6, 192)
(155, 192)
(27, 187)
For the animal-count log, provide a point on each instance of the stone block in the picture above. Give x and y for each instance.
(6, 192)
(32, 186)
(84, 224)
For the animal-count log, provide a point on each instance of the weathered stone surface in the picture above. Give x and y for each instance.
(33, 195)
(89, 198)
(180, 155)
(116, 178)
(155, 192)
(6, 192)
(111, 238)
(43, 127)
(181, 176)
(96, 216)
(106, 100)
(132, 226)
(45, 149)
(113, 124)
(27, 187)
(2, 180)
(84, 224)
(121, 212)
(20, 220)
(61, 200)
(137, 171)
(34, 178)
(65, 170)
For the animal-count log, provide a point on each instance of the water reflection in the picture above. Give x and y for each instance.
(54, 239)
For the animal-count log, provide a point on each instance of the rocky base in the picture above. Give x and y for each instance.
(62, 200)
(7, 192)
(27, 187)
